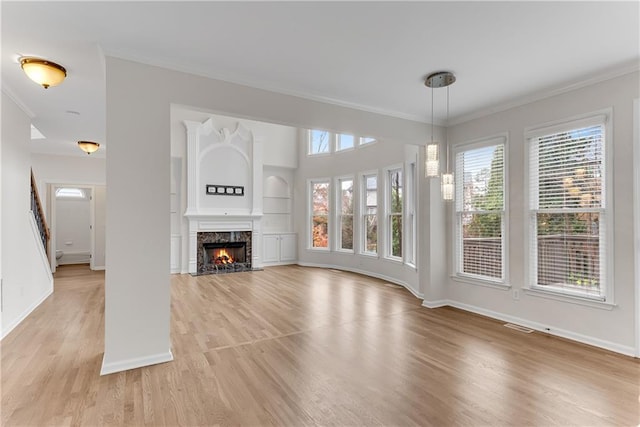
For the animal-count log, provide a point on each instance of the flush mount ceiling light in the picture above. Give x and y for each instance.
(432, 162)
(43, 72)
(88, 146)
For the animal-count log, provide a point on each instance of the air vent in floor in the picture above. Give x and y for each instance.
(518, 328)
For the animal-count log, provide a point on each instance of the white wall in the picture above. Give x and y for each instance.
(73, 235)
(611, 328)
(26, 278)
(139, 99)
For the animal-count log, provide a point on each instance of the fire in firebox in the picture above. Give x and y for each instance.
(221, 256)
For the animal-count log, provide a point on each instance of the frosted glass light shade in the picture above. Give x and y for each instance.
(432, 161)
(447, 186)
(88, 146)
(43, 72)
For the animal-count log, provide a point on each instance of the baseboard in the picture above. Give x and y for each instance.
(548, 329)
(435, 304)
(6, 331)
(365, 273)
(138, 362)
(99, 268)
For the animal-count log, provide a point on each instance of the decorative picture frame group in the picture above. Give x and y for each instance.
(224, 190)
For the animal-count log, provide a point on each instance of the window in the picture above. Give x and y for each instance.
(394, 212)
(480, 210)
(364, 140)
(370, 214)
(567, 208)
(70, 193)
(345, 214)
(344, 142)
(318, 141)
(319, 214)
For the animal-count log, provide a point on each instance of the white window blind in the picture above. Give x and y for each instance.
(567, 210)
(480, 211)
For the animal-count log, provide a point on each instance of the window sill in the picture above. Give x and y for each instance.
(395, 260)
(369, 255)
(318, 249)
(572, 299)
(345, 251)
(327, 154)
(481, 282)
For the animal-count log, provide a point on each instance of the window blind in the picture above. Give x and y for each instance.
(480, 211)
(567, 210)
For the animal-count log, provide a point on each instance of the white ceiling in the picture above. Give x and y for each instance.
(369, 55)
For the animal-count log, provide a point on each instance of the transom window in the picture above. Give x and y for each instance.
(568, 211)
(344, 142)
(319, 141)
(480, 212)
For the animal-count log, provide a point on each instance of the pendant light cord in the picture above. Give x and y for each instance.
(431, 115)
(446, 130)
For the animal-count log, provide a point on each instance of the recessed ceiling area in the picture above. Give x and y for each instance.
(368, 55)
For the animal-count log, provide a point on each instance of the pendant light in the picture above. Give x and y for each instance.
(432, 158)
(447, 178)
(434, 81)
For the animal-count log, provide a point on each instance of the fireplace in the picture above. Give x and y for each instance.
(224, 252)
(225, 255)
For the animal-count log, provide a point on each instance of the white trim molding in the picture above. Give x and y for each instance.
(636, 214)
(138, 362)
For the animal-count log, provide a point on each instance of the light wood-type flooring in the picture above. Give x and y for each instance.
(302, 346)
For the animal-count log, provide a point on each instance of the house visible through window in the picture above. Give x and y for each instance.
(319, 192)
(568, 210)
(370, 213)
(480, 210)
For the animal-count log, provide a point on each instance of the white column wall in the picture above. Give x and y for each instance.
(26, 278)
(138, 182)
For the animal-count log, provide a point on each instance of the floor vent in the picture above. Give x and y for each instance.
(518, 328)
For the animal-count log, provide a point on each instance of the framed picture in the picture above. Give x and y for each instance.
(224, 190)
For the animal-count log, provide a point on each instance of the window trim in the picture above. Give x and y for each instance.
(410, 211)
(362, 212)
(387, 249)
(606, 298)
(338, 213)
(309, 231)
(495, 139)
(366, 144)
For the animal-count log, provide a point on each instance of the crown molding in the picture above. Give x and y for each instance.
(12, 95)
(260, 85)
(611, 73)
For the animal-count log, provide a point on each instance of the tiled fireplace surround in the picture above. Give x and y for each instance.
(221, 237)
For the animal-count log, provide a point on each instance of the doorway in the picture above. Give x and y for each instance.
(72, 219)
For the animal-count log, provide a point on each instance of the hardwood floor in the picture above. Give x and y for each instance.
(302, 346)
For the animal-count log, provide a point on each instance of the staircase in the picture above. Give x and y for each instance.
(38, 215)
